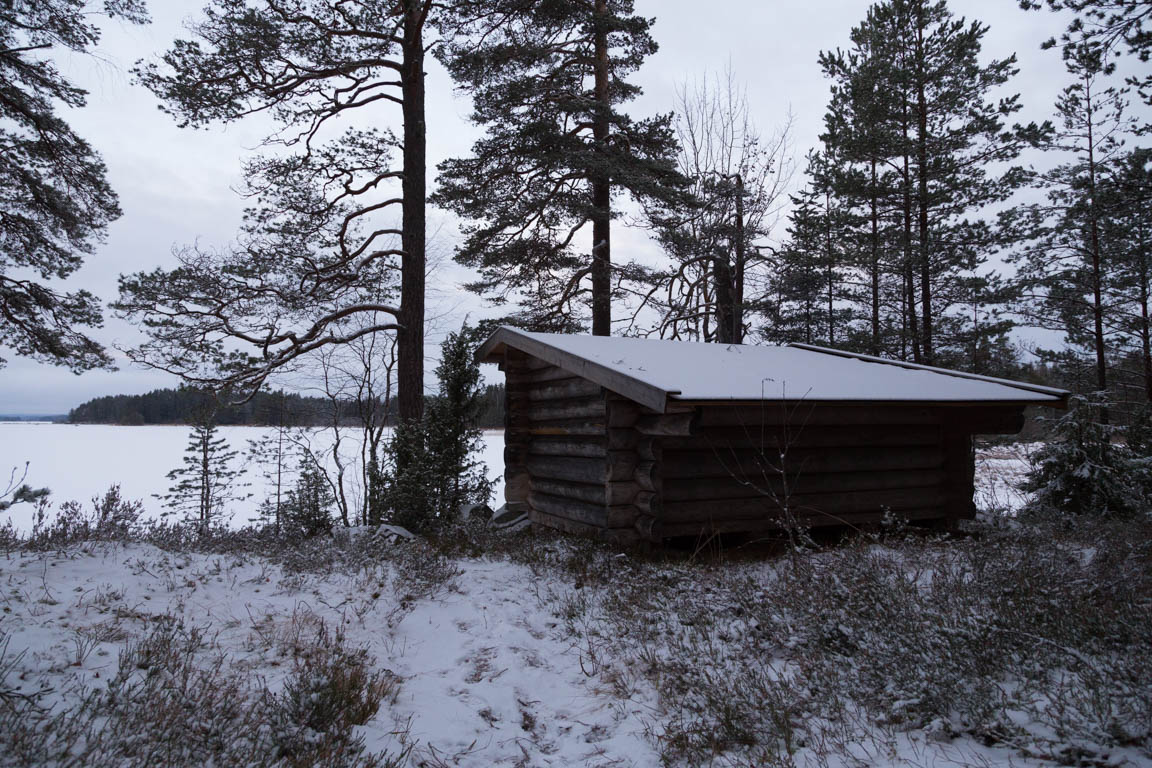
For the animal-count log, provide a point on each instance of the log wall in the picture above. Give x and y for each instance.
(585, 460)
(757, 467)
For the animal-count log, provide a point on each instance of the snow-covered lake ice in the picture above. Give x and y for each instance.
(79, 461)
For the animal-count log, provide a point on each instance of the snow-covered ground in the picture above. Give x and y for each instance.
(516, 662)
(999, 471)
(79, 461)
(486, 677)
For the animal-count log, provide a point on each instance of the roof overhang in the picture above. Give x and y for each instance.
(1061, 395)
(493, 350)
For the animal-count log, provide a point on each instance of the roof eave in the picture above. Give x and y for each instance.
(648, 395)
(1059, 394)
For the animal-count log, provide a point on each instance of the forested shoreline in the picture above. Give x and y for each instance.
(265, 409)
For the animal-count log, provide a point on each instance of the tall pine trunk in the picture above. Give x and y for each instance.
(829, 268)
(922, 194)
(909, 278)
(874, 264)
(1094, 244)
(410, 341)
(1145, 326)
(601, 184)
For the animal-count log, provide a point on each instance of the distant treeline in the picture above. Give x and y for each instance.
(178, 406)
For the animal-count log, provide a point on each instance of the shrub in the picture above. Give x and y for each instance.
(112, 518)
(331, 689)
(202, 711)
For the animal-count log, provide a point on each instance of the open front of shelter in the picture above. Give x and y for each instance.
(643, 439)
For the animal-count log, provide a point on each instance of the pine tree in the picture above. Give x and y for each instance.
(548, 81)
(1127, 236)
(812, 263)
(1067, 273)
(315, 266)
(864, 131)
(917, 149)
(207, 482)
(1107, 27)
(57, 203)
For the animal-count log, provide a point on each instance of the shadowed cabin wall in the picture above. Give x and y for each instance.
(748, 468)
(585, 460)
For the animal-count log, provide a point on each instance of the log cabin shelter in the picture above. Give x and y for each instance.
(635, 439)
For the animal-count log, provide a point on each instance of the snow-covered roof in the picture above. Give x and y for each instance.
(652, 371)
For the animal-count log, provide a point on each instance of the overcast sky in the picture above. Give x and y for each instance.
(177, 186)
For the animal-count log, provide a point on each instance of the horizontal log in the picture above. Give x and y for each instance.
(581, 511)
(622, 437)
(991, 420)
(556, 427)
(836, 504)
(649, 528)
(562, 389)
(811, 414)
(542, 375)
(622, 413)
(581, 408)
(810, 436)
(650, 448)
(589, 471)
(679, 424)
(622, 492)
(698, 528)
(694, 489)
(565, 489)
(549, 445)
(539, 517)
(570, 509)
(517, 485)
(615, 535)
(799, 462)
(648, 503)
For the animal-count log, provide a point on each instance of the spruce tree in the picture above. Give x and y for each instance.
(207, 482)
(270, 453)
(431, 468)
(548, 81)
(308, 506)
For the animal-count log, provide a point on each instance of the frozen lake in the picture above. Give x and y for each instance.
(79, 461)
